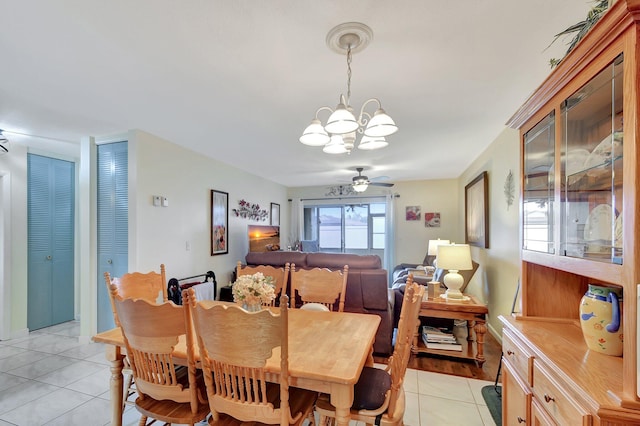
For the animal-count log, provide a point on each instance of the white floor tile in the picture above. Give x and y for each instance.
(71, 373)
(95, 384)
(476, 389)
(22, 394)
(19, 360)
(436, 411)
(42, 366)
(410, 383)
(444, 386)
(7, 351)
(9, 380)
(485, 414)
(46, 408)
(412, 409)
(93, 412)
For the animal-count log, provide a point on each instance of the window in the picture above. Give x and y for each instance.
(347, 228)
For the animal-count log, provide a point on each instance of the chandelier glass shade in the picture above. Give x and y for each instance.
(342, 121)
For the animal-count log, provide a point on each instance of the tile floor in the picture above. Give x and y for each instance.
(49, 378)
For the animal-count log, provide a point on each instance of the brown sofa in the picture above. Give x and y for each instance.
(367, 287)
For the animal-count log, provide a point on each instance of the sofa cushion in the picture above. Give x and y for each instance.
(338, 260)
(276, 258)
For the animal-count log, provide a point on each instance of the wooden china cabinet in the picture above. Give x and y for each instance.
(580, 225)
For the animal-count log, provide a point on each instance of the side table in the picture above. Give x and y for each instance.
(470, 310)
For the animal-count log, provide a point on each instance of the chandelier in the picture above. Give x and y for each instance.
(338, 135)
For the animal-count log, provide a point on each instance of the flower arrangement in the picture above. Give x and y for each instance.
(254, 289)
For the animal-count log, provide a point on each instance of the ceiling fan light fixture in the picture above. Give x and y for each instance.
(349, 38)
(314, 134)
(360, 186)
(370, 143)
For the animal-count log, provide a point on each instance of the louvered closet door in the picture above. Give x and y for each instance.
(113, 222)
(50, 211)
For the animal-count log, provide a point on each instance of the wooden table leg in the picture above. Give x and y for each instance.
(342, 399)
(370, 361)
(116, 357)
(480, 328)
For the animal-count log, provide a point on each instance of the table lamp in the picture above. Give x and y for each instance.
(432, 248)
(454, 258)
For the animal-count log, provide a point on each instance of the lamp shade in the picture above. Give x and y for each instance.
(380, 125)
(335, 146)
(314, 134)
(455, 257)
(432, 249)
(341, 121)
(369, 143)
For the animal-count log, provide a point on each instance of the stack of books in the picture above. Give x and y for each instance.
(437, 338)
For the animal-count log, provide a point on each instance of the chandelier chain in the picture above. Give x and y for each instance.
(348, 74)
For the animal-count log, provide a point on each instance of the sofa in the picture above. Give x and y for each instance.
(367, 284)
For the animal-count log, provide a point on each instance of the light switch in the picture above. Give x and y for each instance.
(165, 202)
(156, 200)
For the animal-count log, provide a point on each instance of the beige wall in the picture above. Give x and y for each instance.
(496, 280)
(412, 237)
(157, 234)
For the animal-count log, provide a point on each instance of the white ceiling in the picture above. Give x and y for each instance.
(240, 80)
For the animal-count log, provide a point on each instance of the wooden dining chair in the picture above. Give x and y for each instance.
(165, 392)
(319, 285)
(379, 395)
(135, 285)
(280, 277)
(234, 348)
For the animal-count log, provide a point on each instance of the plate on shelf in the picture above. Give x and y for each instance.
(598, 224)
(605, 152)
(617, 232)
(576, 159)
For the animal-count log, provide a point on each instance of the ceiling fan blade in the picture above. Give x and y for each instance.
(388, 185)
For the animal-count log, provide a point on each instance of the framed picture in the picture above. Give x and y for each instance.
(219, 222)
(476, 211)
(412, 213)
(432, 220)
(275, 214)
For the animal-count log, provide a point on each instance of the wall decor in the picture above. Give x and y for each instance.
(432, 220)
(219, 222)
(509, 189)
(412, 213)
(275, 214)
(476, 211)
(252, 211)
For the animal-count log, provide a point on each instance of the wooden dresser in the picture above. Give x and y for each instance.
(580, 225)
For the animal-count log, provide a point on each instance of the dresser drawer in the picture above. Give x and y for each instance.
(518, 356)
(556, 402)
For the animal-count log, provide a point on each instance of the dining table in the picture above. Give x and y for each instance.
(327, 351)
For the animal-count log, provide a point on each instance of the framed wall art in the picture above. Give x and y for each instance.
(412, 213)
(476, 211)
(219, 222)
(432, 220)
(275, 214)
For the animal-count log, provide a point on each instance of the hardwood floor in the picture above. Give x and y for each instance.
(459, 367)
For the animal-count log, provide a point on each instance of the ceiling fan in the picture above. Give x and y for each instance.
(360, 182)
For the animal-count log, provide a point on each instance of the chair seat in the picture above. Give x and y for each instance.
(371, 390)
(171, 411)
(301, 401)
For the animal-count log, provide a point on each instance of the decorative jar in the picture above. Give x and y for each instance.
(601, 319)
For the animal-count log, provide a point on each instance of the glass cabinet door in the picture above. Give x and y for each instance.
(591, 172)
(538, 186)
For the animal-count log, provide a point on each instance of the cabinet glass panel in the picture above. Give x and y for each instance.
(591, 168)
(538, 197)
